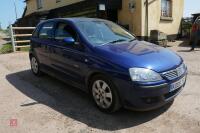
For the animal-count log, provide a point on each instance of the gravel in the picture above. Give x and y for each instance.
(47, 105)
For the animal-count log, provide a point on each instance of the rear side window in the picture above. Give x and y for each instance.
(46, 31)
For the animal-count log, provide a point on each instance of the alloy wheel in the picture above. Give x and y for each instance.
(34, 65)
(102, 94)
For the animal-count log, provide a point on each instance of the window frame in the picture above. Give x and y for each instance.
(39, 4)
(169, 9)
(36, 31)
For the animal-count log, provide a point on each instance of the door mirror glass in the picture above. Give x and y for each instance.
(69, 40)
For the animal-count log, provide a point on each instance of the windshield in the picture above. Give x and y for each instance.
(103, 32)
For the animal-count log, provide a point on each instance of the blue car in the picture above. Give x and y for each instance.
(108, 62)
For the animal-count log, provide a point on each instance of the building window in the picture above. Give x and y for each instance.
(39, 4)
(166, 8)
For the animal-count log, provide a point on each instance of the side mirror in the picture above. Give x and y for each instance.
(69, 40)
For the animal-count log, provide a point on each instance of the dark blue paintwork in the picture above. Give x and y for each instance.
(140, 54)
(76, 65)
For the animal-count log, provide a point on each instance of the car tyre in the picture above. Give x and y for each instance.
(35, 66)
(104, 94)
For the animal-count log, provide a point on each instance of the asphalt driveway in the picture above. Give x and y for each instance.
(31, 104)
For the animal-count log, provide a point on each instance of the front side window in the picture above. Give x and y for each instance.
(103, 32)
(63, 31)
(166, 8)
(39, 4)
(46, 30)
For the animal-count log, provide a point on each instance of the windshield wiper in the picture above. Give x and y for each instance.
(132, 40)
(115, 41)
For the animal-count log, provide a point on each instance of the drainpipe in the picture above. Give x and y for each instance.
(146, 20)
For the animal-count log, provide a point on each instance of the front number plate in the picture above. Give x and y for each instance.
(177, 84)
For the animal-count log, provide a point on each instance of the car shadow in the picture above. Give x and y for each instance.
(187, 43)
(184, 51)
(75, 104)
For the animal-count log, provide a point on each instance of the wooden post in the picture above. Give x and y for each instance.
(12, 38)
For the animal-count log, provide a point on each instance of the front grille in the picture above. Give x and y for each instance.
(171, 94)
(175, 73)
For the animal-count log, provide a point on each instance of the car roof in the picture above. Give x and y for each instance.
(75, 19)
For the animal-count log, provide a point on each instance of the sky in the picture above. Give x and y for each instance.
(7, 10)
(191, 6)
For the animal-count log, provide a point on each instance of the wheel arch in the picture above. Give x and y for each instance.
(92, 75)
(95, 73)
(30, 55)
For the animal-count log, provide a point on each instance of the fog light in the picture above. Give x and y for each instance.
(150, 100)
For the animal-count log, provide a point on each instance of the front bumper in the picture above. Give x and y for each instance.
(148, 97)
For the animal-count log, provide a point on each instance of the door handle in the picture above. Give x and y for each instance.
(76, 66)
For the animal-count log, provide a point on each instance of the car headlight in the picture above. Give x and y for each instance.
(181, 69)
(144, 75)
(184, 66)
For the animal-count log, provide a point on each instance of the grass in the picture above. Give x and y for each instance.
(7, 48)
(26, 49)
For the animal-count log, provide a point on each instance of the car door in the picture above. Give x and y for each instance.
(42, 41)
(69, 59)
